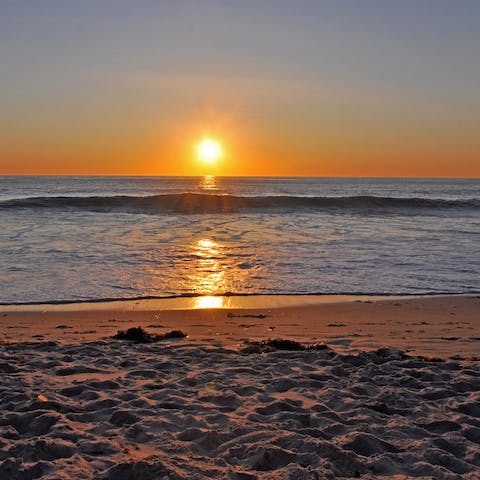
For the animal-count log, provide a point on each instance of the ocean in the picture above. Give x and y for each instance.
(91, 238)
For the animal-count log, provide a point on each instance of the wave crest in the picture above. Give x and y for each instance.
(198, 203)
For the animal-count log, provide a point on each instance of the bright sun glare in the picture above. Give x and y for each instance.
(209, 151)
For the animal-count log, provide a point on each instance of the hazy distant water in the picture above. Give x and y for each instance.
(65, 238)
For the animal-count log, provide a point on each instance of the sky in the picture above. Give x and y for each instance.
(305, 87)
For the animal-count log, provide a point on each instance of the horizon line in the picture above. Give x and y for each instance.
(240, 176)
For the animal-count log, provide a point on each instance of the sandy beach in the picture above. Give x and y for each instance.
(395, 394)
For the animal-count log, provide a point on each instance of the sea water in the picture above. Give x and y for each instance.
(88, 238)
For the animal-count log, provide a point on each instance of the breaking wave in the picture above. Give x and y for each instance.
(198, 203)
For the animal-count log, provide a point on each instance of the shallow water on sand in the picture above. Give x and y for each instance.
(128, 237)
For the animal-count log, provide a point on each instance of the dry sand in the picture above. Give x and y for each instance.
(77, 404)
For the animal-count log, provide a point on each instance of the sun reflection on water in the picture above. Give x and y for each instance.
(208, 183)
(208, 273)
(212, 271)
(209, 301)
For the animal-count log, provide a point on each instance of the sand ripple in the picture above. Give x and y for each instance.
(110, 410)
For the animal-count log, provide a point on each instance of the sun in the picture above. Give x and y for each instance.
(209, 151)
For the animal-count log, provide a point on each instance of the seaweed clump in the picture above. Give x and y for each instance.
(140, 335)
(272, 345)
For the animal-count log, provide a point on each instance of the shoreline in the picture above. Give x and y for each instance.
(443, 325)
(237, 300)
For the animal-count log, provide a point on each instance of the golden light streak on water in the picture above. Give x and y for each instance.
(208, 273)
(208, 183)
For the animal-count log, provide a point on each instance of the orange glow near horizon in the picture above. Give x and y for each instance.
(215, 144)
(178, 161)
(230, 142)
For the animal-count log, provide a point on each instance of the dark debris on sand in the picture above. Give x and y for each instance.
(139, 335)
(272, 345)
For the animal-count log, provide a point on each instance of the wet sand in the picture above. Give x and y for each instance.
(441, 326)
